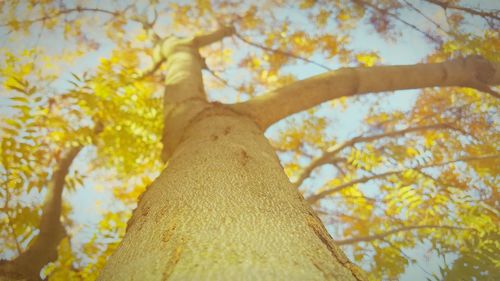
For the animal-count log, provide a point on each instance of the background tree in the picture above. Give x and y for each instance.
(419, 174)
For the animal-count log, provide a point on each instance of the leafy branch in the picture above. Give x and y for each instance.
(329, 156)
(316, 197)
(382, 235)
(281, 52)
(44, 248)
(59, 13)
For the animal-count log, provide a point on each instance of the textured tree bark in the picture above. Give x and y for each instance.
(223, 209)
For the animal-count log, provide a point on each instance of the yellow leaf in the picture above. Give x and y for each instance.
(322, 17)
(367, 59)
(343, 15)
(306, 4)
(411, 151)
(141, 36)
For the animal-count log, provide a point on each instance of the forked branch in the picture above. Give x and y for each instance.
(213, 37)
(329, 156)
(164, 47)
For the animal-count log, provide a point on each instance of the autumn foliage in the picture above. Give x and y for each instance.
(392, 175)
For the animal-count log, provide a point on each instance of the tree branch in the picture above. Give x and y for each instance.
(426, 17)
(157, 62)
(159, 56)
(408, 258)
(268, 108)
(328, 157)
(316, 197)
(44, 248)
(216, 36)
(77, 9)
(281, 52)
(396, 17)
(393, 231)
(449, 5)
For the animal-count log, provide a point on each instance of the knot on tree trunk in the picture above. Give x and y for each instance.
(483, 70)
(476, 72)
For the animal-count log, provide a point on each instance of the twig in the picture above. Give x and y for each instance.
(278, 51)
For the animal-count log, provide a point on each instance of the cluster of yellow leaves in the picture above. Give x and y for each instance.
(367, 59)
(38, 127)
(367, 159)
(306, 132)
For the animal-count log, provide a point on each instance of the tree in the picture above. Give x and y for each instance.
(220, 206)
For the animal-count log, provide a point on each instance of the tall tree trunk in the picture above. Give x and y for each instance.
(223, 209)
